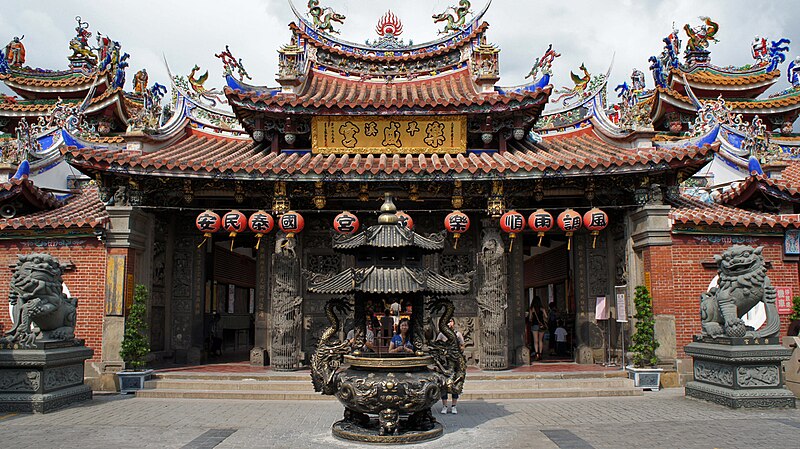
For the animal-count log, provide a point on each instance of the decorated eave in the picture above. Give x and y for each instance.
(43, 84)
(711, 81)
(742, 191)
(199, 154)
(326, 93)
(387, 236)
(24, 193)
(392, 280)
(777, 109)
(82, 209)
(689, 212)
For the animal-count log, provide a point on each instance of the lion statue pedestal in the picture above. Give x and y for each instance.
(736, 365)
(41, 361)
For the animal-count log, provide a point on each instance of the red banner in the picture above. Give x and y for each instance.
(784, 300)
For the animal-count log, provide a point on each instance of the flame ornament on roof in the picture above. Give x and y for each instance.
(389, 25)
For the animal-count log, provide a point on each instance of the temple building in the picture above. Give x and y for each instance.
(643, 192)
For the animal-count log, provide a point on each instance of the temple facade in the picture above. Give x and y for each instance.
(641, 192)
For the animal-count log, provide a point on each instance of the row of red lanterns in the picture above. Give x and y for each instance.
(541, 221)
(456, 222)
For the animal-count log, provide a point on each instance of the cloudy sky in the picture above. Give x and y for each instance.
(583, 31)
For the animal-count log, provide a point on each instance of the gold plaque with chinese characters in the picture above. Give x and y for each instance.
(390, 135)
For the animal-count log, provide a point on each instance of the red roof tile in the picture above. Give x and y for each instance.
(32, 194)
(741, 191)
(323, 90)
(791, 174)
(83, 209)
(206, 155)
(688, 210)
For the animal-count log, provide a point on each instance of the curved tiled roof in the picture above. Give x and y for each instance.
(34, 195)
(791, 99)
(741, 191)
(56, 80)
(335, 92)
(705, 76)
(688, 210)
(384, 54)
(205, 155)
(395, 280)
(387, 236)
(84, 209)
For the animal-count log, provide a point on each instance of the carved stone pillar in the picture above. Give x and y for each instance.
(262, 337)
(286, 305)
(492, 298)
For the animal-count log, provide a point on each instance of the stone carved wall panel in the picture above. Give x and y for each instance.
(16, 381)
(758, 376)
(492, 299)
(62, 376)
(714, 373)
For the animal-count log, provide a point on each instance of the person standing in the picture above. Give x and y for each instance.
(442, 337)
(538, 327)
(552, 324)
(561, 339)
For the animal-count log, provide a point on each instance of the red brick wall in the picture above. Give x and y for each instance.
(678, 277)
(86, 281)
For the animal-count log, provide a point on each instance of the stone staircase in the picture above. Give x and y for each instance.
(297, 385)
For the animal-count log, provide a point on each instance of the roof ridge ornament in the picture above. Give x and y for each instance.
(323, 18)
(456, 17)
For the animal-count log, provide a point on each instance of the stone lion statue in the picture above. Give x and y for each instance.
(743, 283)
(39, 308)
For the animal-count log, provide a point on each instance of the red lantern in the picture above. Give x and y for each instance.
(291, 223)
(512, 222)
(569, 221)
(234, 222)
(595, 220)
(540, 221)
(405, 220)
(346, 223)
(208, 223)
(457, 223)
(261, 223)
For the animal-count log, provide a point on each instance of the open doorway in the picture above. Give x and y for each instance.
(550, 320)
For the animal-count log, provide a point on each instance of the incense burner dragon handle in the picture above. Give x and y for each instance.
(449, 358)
(327, 357)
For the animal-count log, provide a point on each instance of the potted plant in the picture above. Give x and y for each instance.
(643, 371)
(135, 345)
(794, 318)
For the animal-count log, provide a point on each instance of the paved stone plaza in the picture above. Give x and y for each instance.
(656, 420)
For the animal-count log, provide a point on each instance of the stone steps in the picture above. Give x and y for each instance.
(297, 385)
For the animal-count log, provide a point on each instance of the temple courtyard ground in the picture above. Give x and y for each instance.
(663, 419)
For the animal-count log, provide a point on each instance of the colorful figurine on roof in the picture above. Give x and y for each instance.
(15, 52)
(213, 95)
(543, 67)
(82, 54)
(230, 64)
(580, 88)
(700, 36)
(140, 82)
(455, 16)
(323, 18)
(793, 72)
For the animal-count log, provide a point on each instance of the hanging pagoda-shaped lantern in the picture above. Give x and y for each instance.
(261, 223)
(457, 223)
(595, 220)
(346, 223)
(569, 221)
(208, 223)
(235, 223)
(540, 221)
(405, 220)
(291, 223)
(512, 222)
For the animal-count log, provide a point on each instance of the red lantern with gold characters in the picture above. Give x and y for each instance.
(595, 220)
(457, 223)
(569, 221)
(208, 223)
(261, 223)
(346, 223)
(405, 220)
(512, 222)
(234, 222)
(540, 221)
(291, 223)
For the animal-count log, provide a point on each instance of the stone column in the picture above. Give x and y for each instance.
(286, 305)
(492, 298)
(258, 356)
(129, 238)
(517, 303)
(652, 238)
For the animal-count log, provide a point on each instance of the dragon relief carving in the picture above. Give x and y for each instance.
(327, 357)
(448, 355)
(323, 18)
(743, 283)
(39, 308)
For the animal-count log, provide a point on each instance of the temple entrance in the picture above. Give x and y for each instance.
(547, 281)
(229, 313)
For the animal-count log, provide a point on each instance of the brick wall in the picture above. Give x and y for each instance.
(86, 281)
(678, 277)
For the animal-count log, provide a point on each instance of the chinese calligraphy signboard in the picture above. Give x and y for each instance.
(784, 300)
(393, 135)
